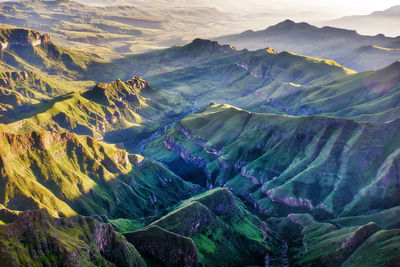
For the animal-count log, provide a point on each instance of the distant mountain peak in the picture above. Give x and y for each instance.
(392, 11)
(211, 45)
(270, 50)
(287, 22)
(290, 25)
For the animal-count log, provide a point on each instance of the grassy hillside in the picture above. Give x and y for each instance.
(28, 50)
(323, 165)
(23, 91)
(164, 248)
(224, 232)
(68, 174)
(115, 111)
(327, 244)
(37, 239)
(371, 96)
(205, 71)
(316, 187)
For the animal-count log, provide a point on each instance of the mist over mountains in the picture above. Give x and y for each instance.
(386, 21)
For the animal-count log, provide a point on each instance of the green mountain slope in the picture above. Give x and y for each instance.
(205, 71)
(326, 162)
(371, 96)
(37, 239)
(224, 232)
(331, 243)
(163, 248)
(282, 164)
(268, 81)
(22, 91)
(115, 111)
(28, 50)
(69, 174)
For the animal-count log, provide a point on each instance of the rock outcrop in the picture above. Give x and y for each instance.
(36, 238)
(10, 36)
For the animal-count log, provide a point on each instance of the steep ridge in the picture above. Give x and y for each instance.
(281, 164)
(371, 96)
(68, 174)
(271, 82)
(328, 244)
(37, 239)
(20, 91)
(27, 50)
(104, 111)
(224, 232)
(205, 71)
(164, 247)
(342, 45)
(20, 37)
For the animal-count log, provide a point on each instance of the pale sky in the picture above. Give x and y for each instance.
(335, 7)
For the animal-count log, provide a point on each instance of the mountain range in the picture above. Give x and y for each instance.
(112, 30)
(347, 47)
(199, 154)
(386, 21)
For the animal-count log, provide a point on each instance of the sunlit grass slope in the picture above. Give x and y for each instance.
(371, 96)
(37, 239)
(103, 111)
(69, 174)
(281, 164)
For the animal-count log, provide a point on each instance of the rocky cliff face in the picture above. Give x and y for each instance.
(120, 95)
(21, 37)
(36, 238)
(316, 163)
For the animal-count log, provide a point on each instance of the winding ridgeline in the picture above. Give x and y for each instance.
(195, 155)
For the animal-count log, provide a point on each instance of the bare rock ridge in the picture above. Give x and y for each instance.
(118, 92)
(21, 37)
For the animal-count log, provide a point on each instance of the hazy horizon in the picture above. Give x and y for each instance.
(339, 7)
(332, 8)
